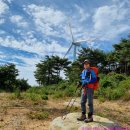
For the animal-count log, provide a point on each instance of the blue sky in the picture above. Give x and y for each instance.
(31, 29)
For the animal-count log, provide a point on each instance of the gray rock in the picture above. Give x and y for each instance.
(71, 123)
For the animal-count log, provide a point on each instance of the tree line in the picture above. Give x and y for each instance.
(48, 70)
(9, 81)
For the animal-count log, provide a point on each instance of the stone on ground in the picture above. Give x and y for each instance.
(71, 123)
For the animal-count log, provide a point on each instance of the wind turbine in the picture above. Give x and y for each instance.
(75, 44)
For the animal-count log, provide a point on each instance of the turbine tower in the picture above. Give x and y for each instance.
(75, 44)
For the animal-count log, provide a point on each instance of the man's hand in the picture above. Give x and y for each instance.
(84, 85)
(79, 84)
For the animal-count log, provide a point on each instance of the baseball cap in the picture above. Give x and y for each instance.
(86, 61)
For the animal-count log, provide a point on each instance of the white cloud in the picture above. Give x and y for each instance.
(33, 45)
(83, 15)
(48, 20)
(110, 21)
(27, 73)
(107, 15)
(53, 22)
(46, 14)
(18, 20)
(3, 7)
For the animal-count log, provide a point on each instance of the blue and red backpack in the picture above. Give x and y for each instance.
(95, 84)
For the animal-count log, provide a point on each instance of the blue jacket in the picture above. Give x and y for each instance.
(87, 80)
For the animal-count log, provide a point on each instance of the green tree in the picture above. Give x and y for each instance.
(122, 55)
(8, 74)
(48, 71)
(95, 56)
(22, 84)
(73, 72)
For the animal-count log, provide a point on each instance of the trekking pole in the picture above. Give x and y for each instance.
(64, 117)
(71, 99)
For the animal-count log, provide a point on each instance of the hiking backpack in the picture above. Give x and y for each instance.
(96, 84)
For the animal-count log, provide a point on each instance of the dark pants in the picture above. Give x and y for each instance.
(89, 96)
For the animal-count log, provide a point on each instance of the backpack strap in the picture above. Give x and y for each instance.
(88, 74)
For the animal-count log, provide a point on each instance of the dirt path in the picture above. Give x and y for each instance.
(14, 113)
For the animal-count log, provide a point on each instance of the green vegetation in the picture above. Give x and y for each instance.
(114, 68)
(38, 115)
(9, 81)
(114, 86)
(48, 71)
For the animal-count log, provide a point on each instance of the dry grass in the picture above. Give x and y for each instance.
(25, 114)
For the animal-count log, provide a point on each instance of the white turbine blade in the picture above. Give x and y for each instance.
(87, 40)
(80, 41)
(93, 39)
(68, 50)
(71, 33)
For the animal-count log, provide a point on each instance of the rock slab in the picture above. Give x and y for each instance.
(71, 123)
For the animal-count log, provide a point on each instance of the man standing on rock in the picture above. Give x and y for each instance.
(88, 78)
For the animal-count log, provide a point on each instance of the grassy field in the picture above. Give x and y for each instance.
(30, 113)
(35, 108)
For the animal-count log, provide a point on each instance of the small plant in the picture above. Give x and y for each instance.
(126, 96)
(38, 115)
(18, 93)
(33, 96)
(58, 94)
(74, 109)
(116, 94)
(101, 99)
(44, 97)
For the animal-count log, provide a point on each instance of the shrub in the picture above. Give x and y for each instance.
(18, 94)
(111, 93)
(116, 94)
(38, 90)
(34, 90)
(32, 96)
(125, 84)
(44, 97)
(101, 99)
(107, 83)
(69, 92)
(38, 115)
(112, 80)
(62, 85)
(22, 84)
(119, 77)
(126, 96)
(58, 94)
(113, 86)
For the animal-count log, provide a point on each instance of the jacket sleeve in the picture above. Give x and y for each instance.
(93, 79)
(85, 80)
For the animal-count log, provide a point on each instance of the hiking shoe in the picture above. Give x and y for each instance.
(87, 120)
(90, 118)
(82, 117)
